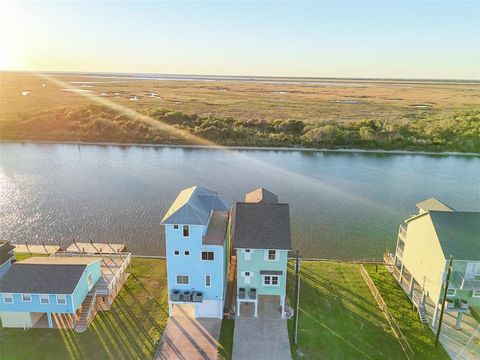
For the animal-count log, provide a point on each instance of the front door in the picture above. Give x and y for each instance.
(247, 275)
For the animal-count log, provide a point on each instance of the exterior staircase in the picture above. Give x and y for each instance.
(87, 312)
(421, 310)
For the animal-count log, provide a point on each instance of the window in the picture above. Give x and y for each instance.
(270, 280)
(175, 227)
(476, 293)
(248, 254)
(208, 255)
(176, 253)
(247, 273)
(61, 299)
(186, 231)
(186, 252)
(451, 292)
(44, 299)
(26, 297)
(182, 280)
(89, 281)
(208, 280)
(272, 255)
(8, 298)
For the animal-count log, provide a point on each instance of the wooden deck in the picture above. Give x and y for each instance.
(36, 249)
(96, 248)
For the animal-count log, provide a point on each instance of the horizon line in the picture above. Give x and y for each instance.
(234, 77)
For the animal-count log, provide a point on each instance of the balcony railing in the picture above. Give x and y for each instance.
(402, 232)
(399, 252)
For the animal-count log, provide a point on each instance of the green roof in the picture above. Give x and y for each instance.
(458, 233)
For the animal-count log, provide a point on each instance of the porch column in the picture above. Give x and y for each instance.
(282, 303)
(170, 310)
(256, 308)
(238, 307)
(458, 324)
(435, 315)
(50, 322)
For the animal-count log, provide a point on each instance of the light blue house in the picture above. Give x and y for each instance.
(197, 251)
(6, 257)
(41, 287)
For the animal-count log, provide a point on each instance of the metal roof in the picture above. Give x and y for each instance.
(217, 229)
(262, 226)
(193, 206)
(458, 233)
(433, 204)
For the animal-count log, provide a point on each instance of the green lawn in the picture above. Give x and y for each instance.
(339, 318)
(130, 330)
(225, 347)
(419, 335)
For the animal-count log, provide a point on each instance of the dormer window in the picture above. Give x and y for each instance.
(186, 231)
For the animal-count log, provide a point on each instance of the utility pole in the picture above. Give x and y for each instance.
(297, 298)
(449, 271)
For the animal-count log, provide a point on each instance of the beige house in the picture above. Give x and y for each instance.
(425, 243)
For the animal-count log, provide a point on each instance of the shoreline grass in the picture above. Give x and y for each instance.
(419, 335)
(339, 318)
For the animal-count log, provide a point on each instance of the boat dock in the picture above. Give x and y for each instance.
(36, 249)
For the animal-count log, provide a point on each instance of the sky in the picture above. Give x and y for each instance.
(381, 39)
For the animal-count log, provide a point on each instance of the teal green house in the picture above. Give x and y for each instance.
(262, 239)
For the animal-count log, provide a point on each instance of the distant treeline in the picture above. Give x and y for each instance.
(460, 132)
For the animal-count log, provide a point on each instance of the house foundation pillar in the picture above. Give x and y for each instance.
(282, 304)
(49, 318)
(256, 308)
(170, 309)
(436, 313)
(238, 308)
(458, 324)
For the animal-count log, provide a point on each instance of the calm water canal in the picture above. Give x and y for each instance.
(343, 205)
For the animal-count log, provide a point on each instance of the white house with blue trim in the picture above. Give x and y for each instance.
(197, 247)
(41, 287)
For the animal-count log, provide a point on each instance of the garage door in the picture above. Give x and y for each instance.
(184, 310)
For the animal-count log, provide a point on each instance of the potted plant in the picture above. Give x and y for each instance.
(463, 303)
(450, 303)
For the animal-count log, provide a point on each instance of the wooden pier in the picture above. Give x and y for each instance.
(36, 249)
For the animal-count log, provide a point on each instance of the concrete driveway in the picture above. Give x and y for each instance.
(264, 337)
(187, 338)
